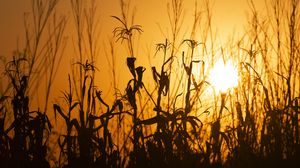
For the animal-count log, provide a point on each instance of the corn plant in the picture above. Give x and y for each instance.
(86, 146)
(31, 129)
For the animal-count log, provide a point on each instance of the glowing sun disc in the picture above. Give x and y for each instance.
(223, 77)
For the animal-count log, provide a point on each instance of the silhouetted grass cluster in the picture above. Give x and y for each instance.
(255, 124)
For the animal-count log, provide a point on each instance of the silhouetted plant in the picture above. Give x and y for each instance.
(125, 32)
(162, 81)
(87, 147)
(31, 129)
(255, 124)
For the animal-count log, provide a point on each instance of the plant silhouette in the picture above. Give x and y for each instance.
(166, 123)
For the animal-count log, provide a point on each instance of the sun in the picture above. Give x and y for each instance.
(223, 76)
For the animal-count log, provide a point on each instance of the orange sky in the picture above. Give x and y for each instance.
(228, 16)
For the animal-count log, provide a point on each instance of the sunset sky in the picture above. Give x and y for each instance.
(228, 18)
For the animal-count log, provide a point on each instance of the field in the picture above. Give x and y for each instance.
(195, 103)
